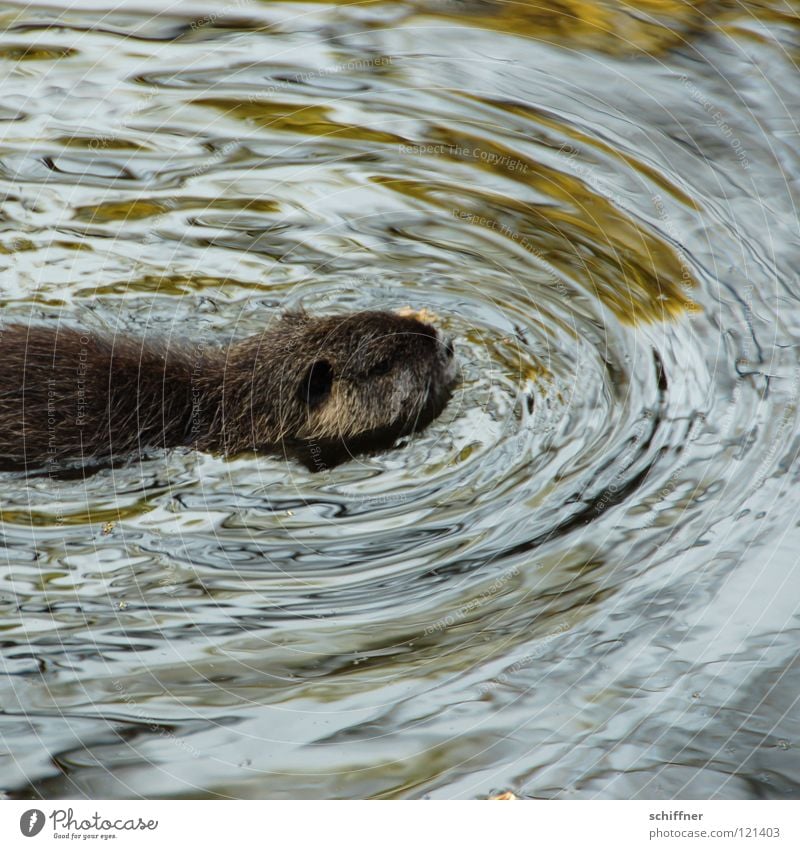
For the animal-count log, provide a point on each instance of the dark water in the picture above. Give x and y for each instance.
(581, 581)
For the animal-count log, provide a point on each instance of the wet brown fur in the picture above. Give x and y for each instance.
(331, 385)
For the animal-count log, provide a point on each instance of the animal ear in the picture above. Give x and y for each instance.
(316, 385)
(294, 319)
(297, 314)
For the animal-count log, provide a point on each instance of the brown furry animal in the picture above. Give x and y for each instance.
(318, 387)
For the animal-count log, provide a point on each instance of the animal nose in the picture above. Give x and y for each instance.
(447, 341)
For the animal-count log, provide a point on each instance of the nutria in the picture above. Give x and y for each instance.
(320, 388)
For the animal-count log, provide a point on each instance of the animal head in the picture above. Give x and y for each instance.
(349, 377)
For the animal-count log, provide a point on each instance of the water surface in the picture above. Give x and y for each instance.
(582, 580)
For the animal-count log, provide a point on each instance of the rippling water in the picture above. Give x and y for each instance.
(582, 580)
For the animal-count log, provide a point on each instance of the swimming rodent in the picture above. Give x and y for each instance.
(320, 388)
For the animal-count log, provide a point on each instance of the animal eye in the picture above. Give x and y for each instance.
(316, 385)
(382, 367)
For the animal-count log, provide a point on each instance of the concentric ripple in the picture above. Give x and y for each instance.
(577, 579)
